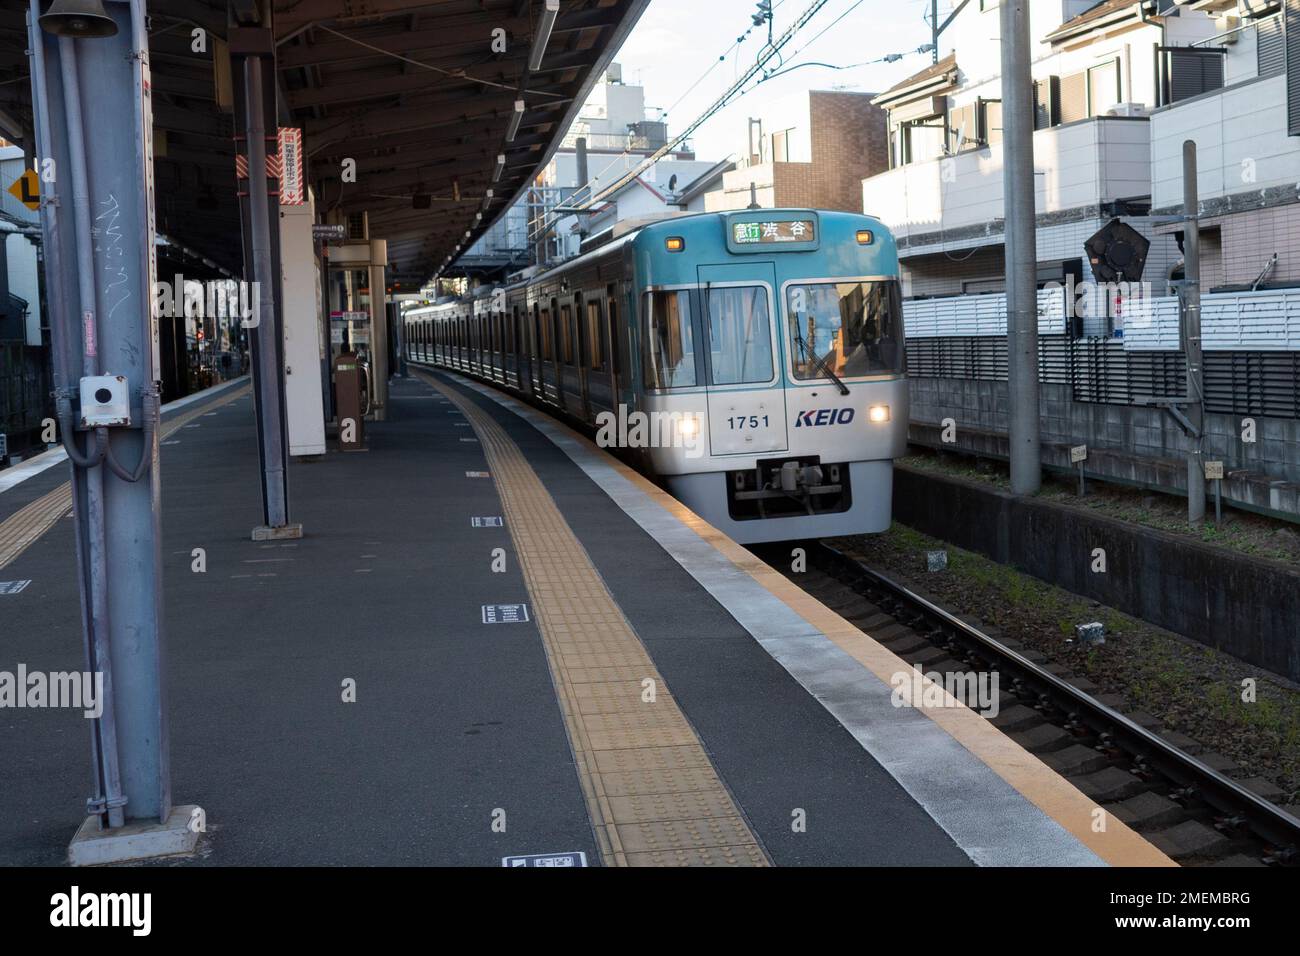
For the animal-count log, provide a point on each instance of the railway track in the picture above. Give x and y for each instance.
(1194, 813)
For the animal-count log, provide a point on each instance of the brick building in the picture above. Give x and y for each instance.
(811, 150)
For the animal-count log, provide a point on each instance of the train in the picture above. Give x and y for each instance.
(752, 362)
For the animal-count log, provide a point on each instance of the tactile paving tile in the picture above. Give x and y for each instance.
(25, 526)
(674, 834)
(652, 794)
(746, 855)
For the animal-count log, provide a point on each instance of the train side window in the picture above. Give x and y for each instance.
(546, 334)
(595, 337)
(615, 333)
(566, 334)
(669, 358)
(740, 335)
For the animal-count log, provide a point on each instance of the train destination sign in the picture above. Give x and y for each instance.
(760, 233)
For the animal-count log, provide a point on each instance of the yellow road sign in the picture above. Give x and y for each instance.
(27, 190)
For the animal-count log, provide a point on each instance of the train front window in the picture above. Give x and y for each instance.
(670, 346)
(851, 328)
(740, 335)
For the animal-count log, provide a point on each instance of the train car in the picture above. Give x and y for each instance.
(752, 362)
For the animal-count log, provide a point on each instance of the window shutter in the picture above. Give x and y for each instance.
(1270, 51)
(1074, 97)
(1291, 13)
(1192, 74)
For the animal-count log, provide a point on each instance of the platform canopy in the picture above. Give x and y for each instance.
(421, 95)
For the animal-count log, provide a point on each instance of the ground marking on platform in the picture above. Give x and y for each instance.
(470, 441)
(13, 587)
(488, 522)
(478, 474)
(546, 859)
(652, 793)
(505, 614)
(175, 441)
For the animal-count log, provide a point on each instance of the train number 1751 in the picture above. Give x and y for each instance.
(747, 421)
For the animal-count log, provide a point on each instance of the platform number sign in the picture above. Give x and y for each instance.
(550, 860)
(505, 613)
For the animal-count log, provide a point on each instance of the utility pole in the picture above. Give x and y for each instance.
(1191, 336)
(1021, 248)
(94, 125)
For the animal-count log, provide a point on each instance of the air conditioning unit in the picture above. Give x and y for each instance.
(1226, 24)
(1129, 109)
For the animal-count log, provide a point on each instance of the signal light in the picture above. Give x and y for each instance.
(865, 237)
(675, 244)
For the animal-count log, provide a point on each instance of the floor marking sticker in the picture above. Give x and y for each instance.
(478, 474)
(12, 587)
(486, 523)
(546, 859)
(505, 613)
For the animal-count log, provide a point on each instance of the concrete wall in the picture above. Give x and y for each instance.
(1241, 143)
(1137, 445)
(1245, 607)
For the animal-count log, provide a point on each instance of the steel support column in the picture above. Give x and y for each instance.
(252, 53)
(94, 125)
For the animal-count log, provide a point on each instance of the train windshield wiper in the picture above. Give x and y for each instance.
(819, 361)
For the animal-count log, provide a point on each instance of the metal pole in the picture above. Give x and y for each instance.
(266, 366)
(379, 327)
(934, 31)
(1021, 251)
(1191, 300)
(94, 123)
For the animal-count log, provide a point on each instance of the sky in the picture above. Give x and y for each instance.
(679, 42)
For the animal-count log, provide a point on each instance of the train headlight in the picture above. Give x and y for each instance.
(878, 413)
(865, 238)
(674, 243)
(689, 427)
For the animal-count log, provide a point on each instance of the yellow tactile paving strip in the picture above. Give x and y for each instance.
(1038, 783)
(25, 526)
(652, 794)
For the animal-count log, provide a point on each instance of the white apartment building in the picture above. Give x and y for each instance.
(1248, 155)
(1097, 71)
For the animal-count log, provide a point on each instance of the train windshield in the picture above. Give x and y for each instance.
(850, 328)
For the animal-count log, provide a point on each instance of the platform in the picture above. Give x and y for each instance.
(596, 672)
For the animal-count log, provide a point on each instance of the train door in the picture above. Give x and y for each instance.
(622, 320)
(550, 363)
(745, 392)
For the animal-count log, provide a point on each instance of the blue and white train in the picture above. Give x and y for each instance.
(751, 362)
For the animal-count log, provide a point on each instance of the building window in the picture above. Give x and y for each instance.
(991, 121)
(670, 344)
(1103, 87)
(963, 128)
(740, 335)
(1047, 102)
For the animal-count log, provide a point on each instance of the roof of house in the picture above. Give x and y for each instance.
(934, 73)
(1106, 12)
